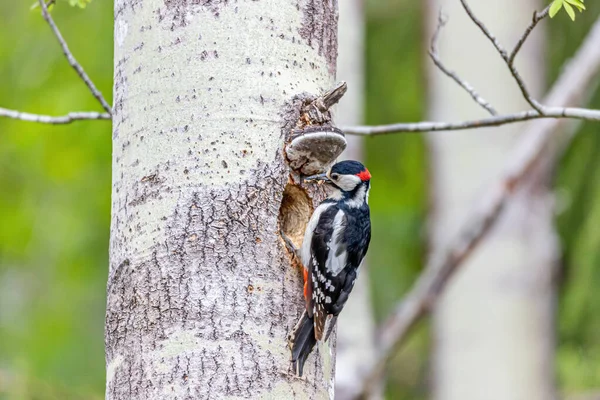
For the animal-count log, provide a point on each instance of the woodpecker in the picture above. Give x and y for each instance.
(335, 242)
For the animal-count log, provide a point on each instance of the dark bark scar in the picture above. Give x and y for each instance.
(319, 29)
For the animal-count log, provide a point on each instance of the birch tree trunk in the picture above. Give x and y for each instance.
(356, 327)
(494, 327)
(201, 290)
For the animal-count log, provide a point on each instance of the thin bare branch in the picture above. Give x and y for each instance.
(433, 53)
(72, 61)
(537, 17)
(47, 119)
(538, 142)
(484, 29)
(515, 73)
(523, 87)
(428, 126)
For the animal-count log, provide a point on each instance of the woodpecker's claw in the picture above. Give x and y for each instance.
(290, 373)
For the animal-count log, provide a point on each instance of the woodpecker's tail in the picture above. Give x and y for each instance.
(302, 342)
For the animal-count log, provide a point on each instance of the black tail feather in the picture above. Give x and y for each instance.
(303, 342)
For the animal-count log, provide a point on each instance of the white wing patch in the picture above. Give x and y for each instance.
(336, 263)
(305, 252)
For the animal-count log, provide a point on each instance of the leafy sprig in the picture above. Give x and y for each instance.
(72, 3)
(568, 5)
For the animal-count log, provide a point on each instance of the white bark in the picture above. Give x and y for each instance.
(356, 327)
(493, 328)
(201, 292)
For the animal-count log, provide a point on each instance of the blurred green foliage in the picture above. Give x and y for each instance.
(55, 201)
(54, 205)
(578, 194)
(394, 92)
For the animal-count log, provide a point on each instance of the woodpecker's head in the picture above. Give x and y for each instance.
(350, 180)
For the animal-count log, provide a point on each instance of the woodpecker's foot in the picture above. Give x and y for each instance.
(290, 339)
(290, 245)
(292, 335)
(290, 373)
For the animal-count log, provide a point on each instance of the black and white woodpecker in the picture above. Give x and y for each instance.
(335, 242)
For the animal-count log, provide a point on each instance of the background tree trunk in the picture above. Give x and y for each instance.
(356, 326)
(201, 291)
(494, 327)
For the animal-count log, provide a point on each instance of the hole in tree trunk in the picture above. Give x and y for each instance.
(295, 211)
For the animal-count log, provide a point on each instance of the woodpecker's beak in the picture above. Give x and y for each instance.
(319, 177)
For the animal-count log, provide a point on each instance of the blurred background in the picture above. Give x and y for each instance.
(55, 198)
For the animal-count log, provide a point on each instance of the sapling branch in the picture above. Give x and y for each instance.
(433, 53)
(72, 116)
(53, 120)
(71, 59)
(537, 111)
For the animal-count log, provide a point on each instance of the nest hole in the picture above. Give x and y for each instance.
(294, 214)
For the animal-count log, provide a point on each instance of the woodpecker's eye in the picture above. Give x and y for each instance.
(334, 176)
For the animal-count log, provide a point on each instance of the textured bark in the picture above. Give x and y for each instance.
(356, 327)
(201, 291)
(493, 328)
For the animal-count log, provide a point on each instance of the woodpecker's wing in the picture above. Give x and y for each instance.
(306, 254)
(339, 243)
(327, 272)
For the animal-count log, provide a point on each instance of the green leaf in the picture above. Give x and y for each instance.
(555, 7)
(570, 11)
(576, 3)
(79, 3)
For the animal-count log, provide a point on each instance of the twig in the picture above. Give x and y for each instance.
(537, 17)
(72, 61)
(538, 141)
(427, 126)
(47, 119)
(515, 73)
(433, 53)
(536, 105)
(484, 29)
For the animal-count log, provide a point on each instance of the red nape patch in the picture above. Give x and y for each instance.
(364, 175)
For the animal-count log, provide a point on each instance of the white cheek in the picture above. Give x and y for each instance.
(348, 182)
